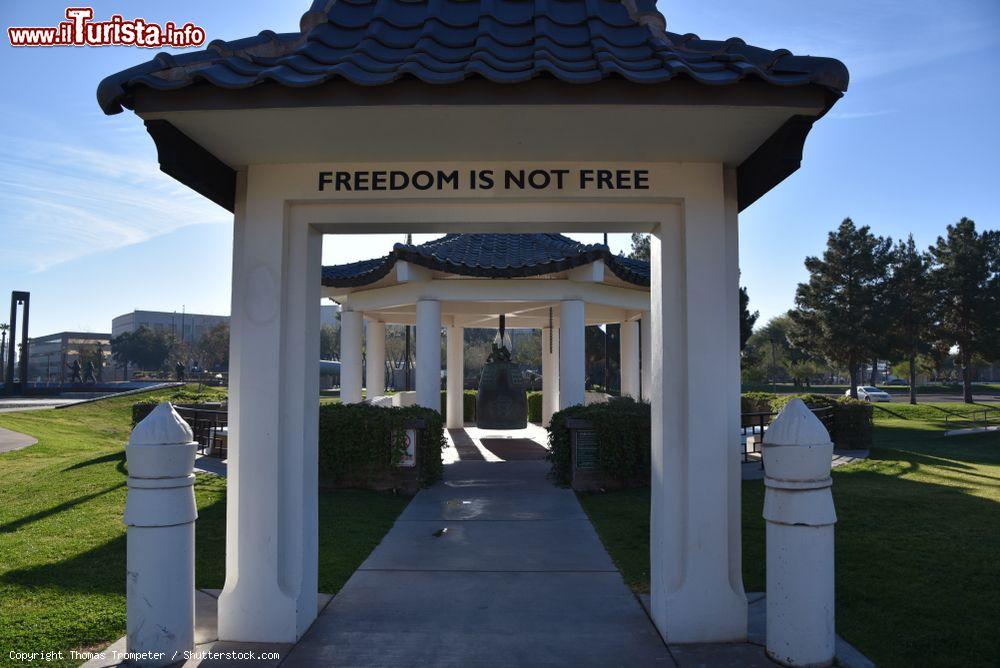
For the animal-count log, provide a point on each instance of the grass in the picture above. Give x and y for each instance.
(935, 388)
(918, 534)
(62, 541)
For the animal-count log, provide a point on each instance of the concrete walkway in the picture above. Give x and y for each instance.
(13, 440)
(494, 566)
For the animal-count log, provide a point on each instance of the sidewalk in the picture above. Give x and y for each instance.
(495, 566)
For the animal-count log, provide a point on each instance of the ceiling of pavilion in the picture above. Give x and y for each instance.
(490, 256)
(376, 42)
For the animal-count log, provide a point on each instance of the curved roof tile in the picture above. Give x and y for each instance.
(490, 256)
(376, 42)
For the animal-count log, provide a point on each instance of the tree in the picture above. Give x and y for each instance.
(329, 343)
(966, 281)
(145, 348)
(214, 347)
(909, 301)
(640, 247)
(836, 311)
(747, 319)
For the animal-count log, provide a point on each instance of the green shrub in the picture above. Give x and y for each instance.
(757, 402)
(535, 407)
(849, 421)
(852, 424)
(623, 427)
(811, 400)
(468, 404)
(360, 444)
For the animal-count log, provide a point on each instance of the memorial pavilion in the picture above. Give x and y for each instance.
(507, 116)
(538, 281)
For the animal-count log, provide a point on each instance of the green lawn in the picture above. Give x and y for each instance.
(918, 541)
(62, 541)
(950, 388)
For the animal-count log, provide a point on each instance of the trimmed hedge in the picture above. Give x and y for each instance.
(468, 404)
(360, 445)
(535, 407)
(623, 427)
(852, 424)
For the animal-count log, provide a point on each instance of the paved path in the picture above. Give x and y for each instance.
(494, 566)
(12, 440)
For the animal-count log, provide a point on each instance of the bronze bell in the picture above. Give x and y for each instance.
(502, 402)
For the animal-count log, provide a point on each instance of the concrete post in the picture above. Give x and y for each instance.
(572, 358)
(798, 508)
(350, 356)
(630, 358)
(375, 354)
(646, 346)
(550, 373)
(429, 354)
(456, 377)
(160, 512)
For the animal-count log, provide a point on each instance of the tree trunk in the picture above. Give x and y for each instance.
(874, 377)
(913, 378)
(852, 369)
(967, 377)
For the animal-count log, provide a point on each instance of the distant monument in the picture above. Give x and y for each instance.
(22, 299)
(74, 369)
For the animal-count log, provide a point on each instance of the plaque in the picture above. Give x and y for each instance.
(586, 449)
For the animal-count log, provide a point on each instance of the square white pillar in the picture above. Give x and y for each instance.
(629, 355)
(550, 373)
(271, 502)
(572, 361)
(429, 354)
(695, 585)
(456, 377)
(375, 358)
(350, 356)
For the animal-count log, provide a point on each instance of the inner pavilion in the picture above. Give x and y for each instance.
(537, 281)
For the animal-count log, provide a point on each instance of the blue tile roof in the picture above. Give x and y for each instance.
(376, 42)
(490, 256)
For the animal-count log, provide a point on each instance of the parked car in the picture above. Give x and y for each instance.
(869, 393)
(898, 381)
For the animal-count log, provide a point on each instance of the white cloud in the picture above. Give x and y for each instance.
(66, 201)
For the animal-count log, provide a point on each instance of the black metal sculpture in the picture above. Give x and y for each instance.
(502, 402)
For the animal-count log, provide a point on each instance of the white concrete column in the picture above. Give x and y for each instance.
(798, 508)
(695, 583)
(429, 354)
(456, 376)
(160, 512)
(271, 500)
(629, 355)
(572, 357)
(646, 355)
(350, 356)
(550, 373)
(375, 359)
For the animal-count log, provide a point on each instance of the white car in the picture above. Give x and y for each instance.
(869, 393)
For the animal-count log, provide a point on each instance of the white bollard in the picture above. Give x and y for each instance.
(798, 508)
(160, 514)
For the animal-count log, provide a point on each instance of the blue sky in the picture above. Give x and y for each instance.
(91, 227)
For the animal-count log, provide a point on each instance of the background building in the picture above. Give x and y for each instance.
(186, 327)
(49, 356)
